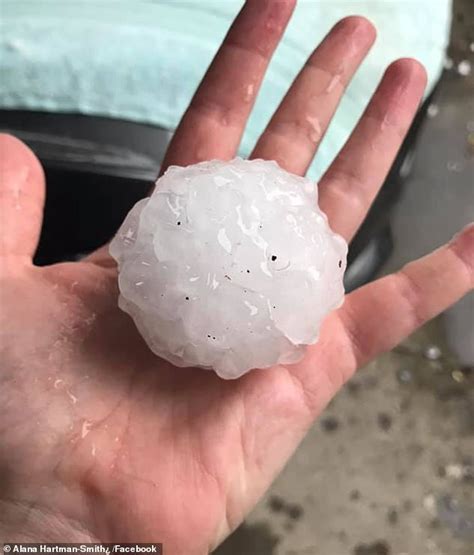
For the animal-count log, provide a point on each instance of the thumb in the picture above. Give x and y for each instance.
(22, 192)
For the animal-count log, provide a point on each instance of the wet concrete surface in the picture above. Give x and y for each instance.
(389, 468)
(392, 474)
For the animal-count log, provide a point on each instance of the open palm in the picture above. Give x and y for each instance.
(102, 440)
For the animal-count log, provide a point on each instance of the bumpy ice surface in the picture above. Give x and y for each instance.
(229, 265)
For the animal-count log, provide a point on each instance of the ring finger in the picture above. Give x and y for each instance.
(298, 126)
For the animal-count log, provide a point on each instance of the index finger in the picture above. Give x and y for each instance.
(214, 122)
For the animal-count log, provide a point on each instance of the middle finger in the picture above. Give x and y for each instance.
(213, 124)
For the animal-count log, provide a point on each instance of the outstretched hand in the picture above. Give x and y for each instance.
(100, 439)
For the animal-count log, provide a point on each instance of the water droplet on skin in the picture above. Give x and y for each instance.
(314, 133)
(335, 80)
(225, 120)
(273, 26)
(249, 92)
(384, 123)
(86, 428)
(72, 397)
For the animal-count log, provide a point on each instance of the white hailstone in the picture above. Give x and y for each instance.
(433, 352)
(229, 266)
(433, 110)
(464, 68)
(448, 63)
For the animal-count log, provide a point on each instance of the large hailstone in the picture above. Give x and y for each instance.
(229, 266)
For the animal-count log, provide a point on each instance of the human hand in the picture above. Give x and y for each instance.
(100, 439)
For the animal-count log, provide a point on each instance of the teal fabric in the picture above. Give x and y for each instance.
(141, 60)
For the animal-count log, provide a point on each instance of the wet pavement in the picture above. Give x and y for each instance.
(389, 468)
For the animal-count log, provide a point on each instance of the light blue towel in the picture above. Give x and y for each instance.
(141, 60)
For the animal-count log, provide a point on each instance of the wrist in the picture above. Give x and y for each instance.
(28, 522)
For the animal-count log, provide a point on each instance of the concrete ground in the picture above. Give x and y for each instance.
(389, 468)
